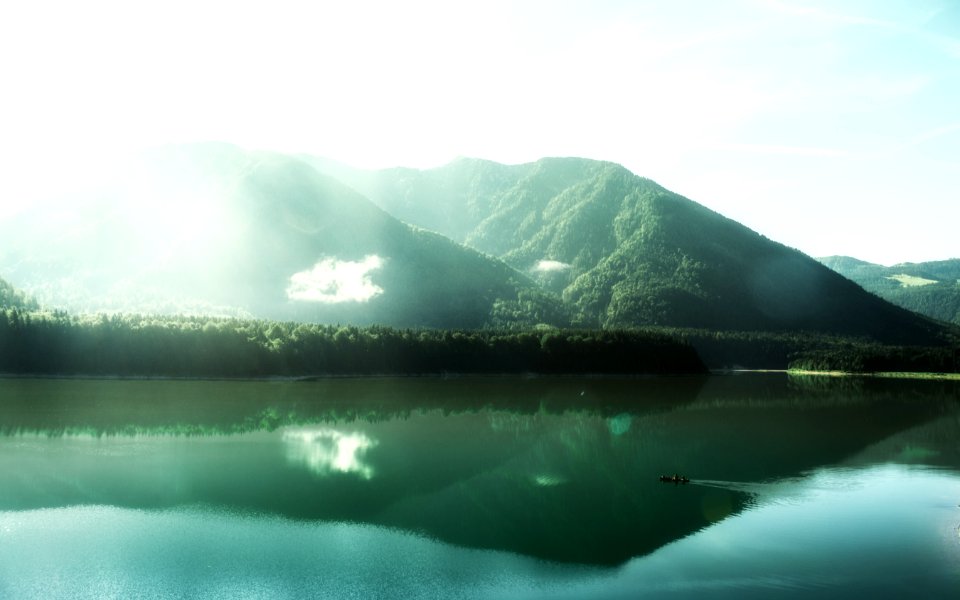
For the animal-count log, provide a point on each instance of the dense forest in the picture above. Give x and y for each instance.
(874, 358)
(813, 352)
(38, 342)
(133, 345)
(44, 343)
(10, 297)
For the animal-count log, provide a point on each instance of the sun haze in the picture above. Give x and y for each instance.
(829, 126)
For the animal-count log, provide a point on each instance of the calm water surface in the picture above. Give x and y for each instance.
(479, 488)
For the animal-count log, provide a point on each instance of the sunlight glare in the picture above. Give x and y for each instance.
(176, 216)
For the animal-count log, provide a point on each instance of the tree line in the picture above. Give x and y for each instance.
(135, 345)
(872, 358)
(810, 351)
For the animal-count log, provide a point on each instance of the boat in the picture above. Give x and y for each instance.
(673, 479)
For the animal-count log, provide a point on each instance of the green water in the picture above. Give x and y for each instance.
(479, 488)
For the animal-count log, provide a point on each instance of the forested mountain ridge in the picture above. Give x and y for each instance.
(624, 251)
(481, 203)
(929, 288)
(214, 229)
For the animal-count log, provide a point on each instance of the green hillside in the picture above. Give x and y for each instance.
(928, 288)
(623, 251)
(213, 229)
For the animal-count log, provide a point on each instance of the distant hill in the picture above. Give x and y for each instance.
(213, 229)
(929, 288)
(624, 251)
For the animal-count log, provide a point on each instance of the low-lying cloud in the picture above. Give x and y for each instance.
(332, 281)
(550, 266)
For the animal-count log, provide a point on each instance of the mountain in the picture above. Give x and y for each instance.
(929, 288)
(214, 229)
(624, 251)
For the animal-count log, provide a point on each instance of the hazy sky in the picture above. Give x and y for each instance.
(831, 126)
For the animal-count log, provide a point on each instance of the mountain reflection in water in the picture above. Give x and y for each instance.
(558, 469)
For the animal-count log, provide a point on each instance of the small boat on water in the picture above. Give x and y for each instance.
(673, 479)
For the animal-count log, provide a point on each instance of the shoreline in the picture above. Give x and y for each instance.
(463, 375)
(310, 378)
(875, 374)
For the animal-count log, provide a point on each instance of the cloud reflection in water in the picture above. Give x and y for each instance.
(324, 450)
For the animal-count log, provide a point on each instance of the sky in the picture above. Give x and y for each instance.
(832, 127)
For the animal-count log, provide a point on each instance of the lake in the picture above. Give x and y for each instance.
(480, 488)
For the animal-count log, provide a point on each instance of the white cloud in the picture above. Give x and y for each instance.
(332, 281)
(550, 266)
